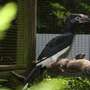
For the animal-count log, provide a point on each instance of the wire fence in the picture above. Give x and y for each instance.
(81, 44)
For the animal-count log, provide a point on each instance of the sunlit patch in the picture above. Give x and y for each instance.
(50, 84)
(7, 15)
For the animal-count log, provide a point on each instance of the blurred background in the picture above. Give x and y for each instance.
(51, 14)
(8, 31)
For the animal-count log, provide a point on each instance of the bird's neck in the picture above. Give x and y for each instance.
(70, 28)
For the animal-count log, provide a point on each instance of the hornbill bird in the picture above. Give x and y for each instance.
(55, 48)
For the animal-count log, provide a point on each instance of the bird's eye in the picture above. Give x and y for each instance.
(77, 18)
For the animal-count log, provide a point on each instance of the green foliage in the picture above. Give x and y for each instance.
(50, 84)
(79, 83)
(58, 83)
(60, 12)
(7, 15)
(52, 13)
(85, 7)
(62, 83)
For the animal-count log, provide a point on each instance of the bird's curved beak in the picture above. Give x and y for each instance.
(84, 19)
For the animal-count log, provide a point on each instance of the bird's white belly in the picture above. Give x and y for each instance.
(53, 58)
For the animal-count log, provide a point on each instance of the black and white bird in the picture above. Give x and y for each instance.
(59, 45)
(55, 48)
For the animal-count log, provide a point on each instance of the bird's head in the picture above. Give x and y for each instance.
(74, 20)
(79, 18)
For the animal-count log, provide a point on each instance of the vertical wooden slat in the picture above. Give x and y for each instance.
(31, 26)
(20, 34)
(26, 32)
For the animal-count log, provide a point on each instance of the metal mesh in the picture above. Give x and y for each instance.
(80, 44)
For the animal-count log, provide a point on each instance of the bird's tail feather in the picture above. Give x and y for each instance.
(38, 70)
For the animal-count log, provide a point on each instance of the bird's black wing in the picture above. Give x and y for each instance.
(55, 45)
